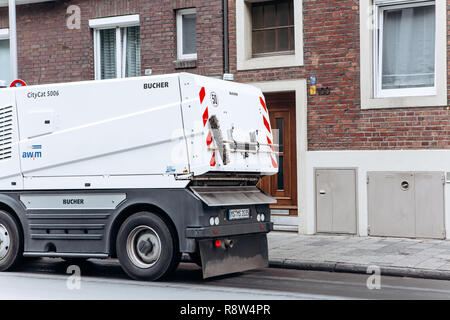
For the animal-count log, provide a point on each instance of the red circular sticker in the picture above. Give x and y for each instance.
(17, 84)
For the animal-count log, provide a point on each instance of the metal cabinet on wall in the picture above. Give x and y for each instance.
(336, 201)
(406, 204)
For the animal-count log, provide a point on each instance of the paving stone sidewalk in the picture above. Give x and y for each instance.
(395, 256)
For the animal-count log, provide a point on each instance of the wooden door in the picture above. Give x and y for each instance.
(283, 186)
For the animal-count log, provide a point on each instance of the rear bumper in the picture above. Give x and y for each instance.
(228, 230)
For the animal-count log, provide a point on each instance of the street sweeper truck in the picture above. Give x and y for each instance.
(143, 169)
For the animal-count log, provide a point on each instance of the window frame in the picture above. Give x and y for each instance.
(379, 8)
(118, 23)
(245, 60)
(4, 35)
(289, 26)
(366, 79)
(179, 21)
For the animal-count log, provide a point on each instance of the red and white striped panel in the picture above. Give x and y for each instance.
(269, 131)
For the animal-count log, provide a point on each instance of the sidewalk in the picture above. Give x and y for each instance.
(395, 256)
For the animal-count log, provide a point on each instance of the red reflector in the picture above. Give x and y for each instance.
(202, 94)
(270, 142)
(205, 117)
(218, 243)
(266, 123)
(274, 163)
(209, 139)
(212, 163)
(263, 103)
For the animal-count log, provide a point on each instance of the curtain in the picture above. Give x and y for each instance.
(189, 33)
(108, 53)
(129, 51)
(4, 61)
(408, 58)
(133, 52)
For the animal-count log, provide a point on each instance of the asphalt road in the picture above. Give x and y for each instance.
(48, 279)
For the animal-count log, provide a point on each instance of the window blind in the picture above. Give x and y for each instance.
(409, 47)
(133, 52)
(108, 53)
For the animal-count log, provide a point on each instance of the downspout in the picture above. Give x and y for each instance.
(226, 51)
(13, 38)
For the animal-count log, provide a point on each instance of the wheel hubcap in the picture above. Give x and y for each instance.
(143, 247)
(5, 241)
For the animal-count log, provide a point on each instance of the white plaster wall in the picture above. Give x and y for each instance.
(364, 161)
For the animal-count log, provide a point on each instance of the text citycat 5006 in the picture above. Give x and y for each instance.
(143, 169)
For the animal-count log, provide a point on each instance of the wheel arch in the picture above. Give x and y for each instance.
(125, 213)
(8, 205)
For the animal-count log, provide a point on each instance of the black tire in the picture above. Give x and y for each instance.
(163, 251)
(13, 238)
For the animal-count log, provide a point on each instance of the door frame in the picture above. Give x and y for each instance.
(299, 86)
(283, 106)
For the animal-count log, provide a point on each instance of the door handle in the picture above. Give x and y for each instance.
(322, 192)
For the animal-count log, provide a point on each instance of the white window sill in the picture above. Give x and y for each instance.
(279, 61)
(404, 102)
(185, 64)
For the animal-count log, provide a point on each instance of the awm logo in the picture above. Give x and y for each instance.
(33, 154)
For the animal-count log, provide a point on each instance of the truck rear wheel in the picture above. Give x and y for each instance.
(146, 247)
(11, 243)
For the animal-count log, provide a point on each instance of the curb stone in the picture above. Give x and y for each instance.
(358, 268)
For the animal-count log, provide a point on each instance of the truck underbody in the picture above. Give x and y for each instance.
(80, 224)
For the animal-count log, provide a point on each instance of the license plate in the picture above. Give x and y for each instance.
(237, 214)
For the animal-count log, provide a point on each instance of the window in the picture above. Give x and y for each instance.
(269, 34)
(273, 28)
(405, 47)
(117, 47)
(187, 34)
(4, 56)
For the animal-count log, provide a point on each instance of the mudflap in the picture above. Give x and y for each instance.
(235, 254)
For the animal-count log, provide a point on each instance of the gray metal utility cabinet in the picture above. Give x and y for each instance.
(406, 204)
(336, 200)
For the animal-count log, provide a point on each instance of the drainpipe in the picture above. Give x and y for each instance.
(13, 38)
(226, 52)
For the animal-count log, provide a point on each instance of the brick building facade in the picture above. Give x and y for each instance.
(50, 52)
(343, 145)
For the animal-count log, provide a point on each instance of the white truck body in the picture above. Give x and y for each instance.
(141, 132)
(142, 169)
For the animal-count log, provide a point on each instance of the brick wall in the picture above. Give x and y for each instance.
(50, 52)
(336, 122)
